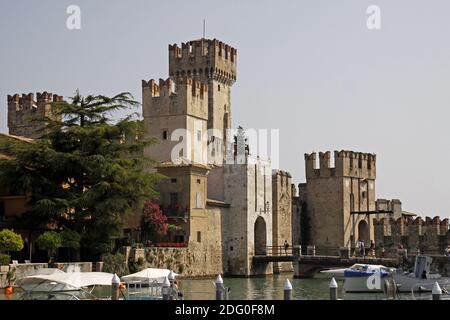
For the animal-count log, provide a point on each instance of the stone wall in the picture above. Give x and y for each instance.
(281, 216)
(73, 266)
(194, 261)
(430, 236)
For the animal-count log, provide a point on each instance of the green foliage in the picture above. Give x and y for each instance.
(70, 239)
(4, 259)
(136, 265)
(87, 173)
(49, 240)
(10, 241)
(115, 263)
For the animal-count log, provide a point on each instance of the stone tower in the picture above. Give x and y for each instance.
(339, 198)
(214, 63)
(171, 112)
(24, 113)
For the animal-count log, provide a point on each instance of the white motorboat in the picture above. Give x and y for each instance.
(149, 275)
(365, 278)
(61, 285)
(421, 279)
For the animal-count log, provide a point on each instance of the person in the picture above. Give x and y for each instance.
(372, 248)
(362, 248)
(286, 246)
(447, 251)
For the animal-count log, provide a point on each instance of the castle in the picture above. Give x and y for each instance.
(337, 207)
(228, 212)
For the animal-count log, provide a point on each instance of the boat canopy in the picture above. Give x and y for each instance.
(148, 275)
(65, 281)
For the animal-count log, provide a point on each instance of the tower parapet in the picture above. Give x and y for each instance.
(188, 96)
(203, 59)
(24, 109)
(346, 164)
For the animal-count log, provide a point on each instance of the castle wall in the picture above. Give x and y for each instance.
(248, 190)
(332, 193)
(430, 236)
(281, 215)
(170, 114)
(23, 111)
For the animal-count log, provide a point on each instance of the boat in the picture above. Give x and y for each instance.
(149, 275)
(147, 284)
(62, 285)
(421, 279)
(366, 278)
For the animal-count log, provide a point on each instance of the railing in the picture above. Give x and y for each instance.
(278, 251)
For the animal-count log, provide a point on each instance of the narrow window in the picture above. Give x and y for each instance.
(165, 135)
(199, 135)
(173, 180)
(218, 87)
(198, 181)
(199, 236)
(198, 201)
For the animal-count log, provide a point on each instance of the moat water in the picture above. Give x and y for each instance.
(266, 288)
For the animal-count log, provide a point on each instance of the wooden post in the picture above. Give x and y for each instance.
(287, 290)
(436, 292)
(333, 289)
(115, 283)
(220, 289)
(166, 289)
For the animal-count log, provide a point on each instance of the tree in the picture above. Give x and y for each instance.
(87, 173)
(10, 241)
(154, 221)
(50, 241)
(70, 239)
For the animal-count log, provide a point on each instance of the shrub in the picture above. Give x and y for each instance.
(10, 241)
(115, 263)
(4, 259)
(70, 239)
(49, 240)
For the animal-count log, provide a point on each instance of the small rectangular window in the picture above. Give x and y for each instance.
(198, 201)
(165, 135)
(199, 236)
(199, 181)
(173, 180)
(199, 135)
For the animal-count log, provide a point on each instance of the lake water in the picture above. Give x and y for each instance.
(265, 288)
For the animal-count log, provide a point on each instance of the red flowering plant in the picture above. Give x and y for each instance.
(154, 222)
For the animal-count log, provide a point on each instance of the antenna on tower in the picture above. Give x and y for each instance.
(204, 28)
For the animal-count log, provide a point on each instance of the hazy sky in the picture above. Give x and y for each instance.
(310, 68)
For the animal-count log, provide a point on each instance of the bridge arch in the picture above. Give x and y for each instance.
(260, 236)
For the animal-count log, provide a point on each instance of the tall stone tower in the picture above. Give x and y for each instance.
(214, 63)
(339, 199)
(24, 113)
(176, 111)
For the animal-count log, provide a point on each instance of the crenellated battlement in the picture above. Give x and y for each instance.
(346, 163)
(23, 109)
(430, 235)
(203, 59)
(187, 96)
(167, 88)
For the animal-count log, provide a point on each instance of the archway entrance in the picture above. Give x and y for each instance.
(363, 231)
(260, 234)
